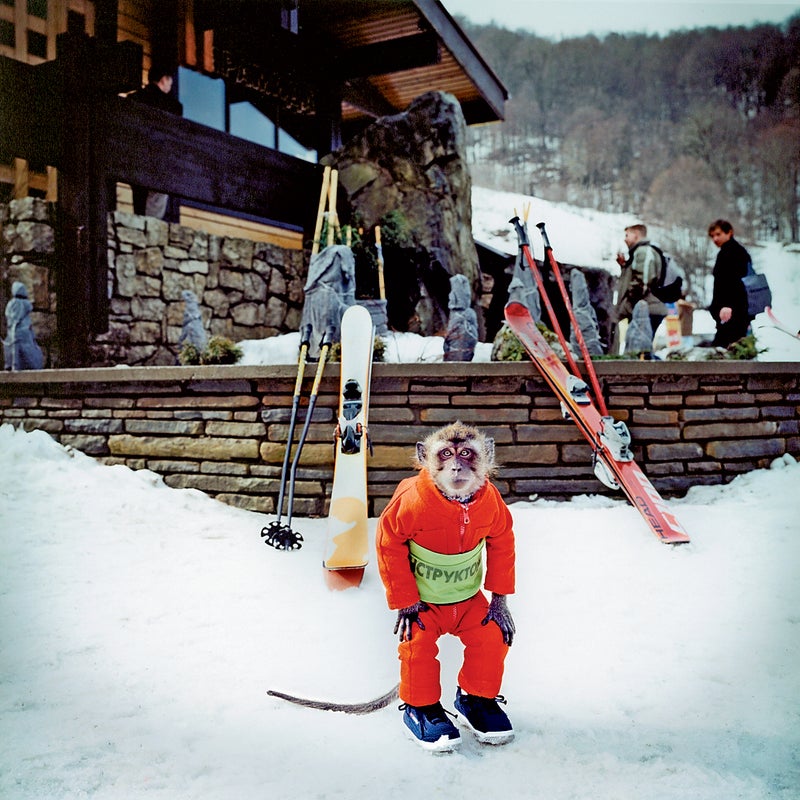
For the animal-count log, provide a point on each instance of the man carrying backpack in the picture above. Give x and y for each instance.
(640, 270)
(729, 297)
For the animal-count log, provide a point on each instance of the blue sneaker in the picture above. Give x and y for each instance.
(484, 717)
(431, 727)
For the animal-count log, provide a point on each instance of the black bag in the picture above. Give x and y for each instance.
(667, 287)
(759, 295)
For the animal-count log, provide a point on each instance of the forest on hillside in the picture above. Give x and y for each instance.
(678, 130)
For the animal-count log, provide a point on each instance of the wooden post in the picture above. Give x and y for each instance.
(51, 195)
(75, 268)
(20, 178)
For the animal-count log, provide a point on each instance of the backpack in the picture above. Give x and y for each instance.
(667, 287)
(759, 295)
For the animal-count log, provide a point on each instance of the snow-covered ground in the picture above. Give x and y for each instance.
(590, 238)
(142, 626)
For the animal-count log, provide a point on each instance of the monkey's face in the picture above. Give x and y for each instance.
(459, 458)
(459, 471)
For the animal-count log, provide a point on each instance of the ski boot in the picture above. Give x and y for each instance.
(484, 717)
(431, 728)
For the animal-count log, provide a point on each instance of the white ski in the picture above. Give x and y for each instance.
(346, 552)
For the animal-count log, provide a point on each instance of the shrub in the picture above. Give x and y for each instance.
(745, 349)
(219, 350)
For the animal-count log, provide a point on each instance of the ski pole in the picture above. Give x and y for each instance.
(379, 251)
(275, 534)
(323, 196)
(305, 339)
(525, 245)
(325, 346)
(587, 358)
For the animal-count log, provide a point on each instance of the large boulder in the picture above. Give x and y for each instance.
(412, 166)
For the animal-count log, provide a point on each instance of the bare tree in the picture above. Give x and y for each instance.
(779, 154)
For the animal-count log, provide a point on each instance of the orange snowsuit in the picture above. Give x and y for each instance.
(419, 513)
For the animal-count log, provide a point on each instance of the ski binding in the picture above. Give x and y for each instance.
(616, 438)
(604, 474)
(579, 390)
(349, 434)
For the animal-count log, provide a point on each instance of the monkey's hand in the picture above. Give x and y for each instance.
(406, 617)
(498, 612)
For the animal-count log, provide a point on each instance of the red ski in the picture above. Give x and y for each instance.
(608, 439)
(780, 325)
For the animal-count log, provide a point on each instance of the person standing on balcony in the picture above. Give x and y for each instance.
(158, 94)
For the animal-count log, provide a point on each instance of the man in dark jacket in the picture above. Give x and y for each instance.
(157, 93)
(729, 299)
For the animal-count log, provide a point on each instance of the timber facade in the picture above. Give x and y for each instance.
(319, 70)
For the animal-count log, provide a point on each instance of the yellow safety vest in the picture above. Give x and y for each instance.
(443, 579)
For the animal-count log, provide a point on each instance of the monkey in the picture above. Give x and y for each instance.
(460, 458)
(444, 537)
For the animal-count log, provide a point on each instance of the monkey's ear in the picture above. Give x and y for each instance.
(422, 453)
(489, 450)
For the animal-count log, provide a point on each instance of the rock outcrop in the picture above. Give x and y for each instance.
(412, 167)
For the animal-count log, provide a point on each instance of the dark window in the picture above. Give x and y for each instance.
(204, 101)
(37, 44)
(249, 123)
(289, 20)
(6, 33)
(76, 23)
(37, 8)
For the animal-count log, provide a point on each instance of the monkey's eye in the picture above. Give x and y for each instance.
(467, 454)
(445, 453)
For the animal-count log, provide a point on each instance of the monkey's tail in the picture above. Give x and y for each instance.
(348, 708)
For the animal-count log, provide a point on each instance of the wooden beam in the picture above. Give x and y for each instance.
(187, 46)
(56, 23)
(36, 180)
(51, 194)
(489, 85)
(21, 30)
(148, 147)
(361, 94)
(394, 55)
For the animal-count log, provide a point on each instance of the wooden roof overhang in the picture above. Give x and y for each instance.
(371, 58)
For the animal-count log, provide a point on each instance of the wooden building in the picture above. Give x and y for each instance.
(268, 88)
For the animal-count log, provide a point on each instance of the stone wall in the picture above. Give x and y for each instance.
(246, 289)
(27, 254)
(223, 429)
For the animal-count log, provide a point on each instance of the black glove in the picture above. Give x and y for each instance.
(498, 612)
(406, 617)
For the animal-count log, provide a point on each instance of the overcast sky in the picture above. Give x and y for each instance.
(564, 18)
